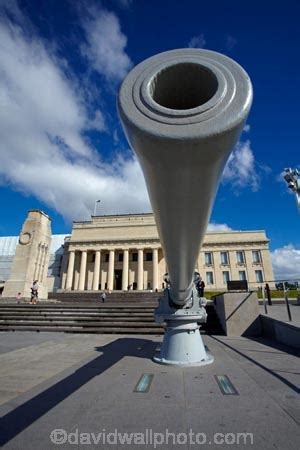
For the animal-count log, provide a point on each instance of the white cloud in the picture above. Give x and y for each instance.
(218, 227)
(116, 139)
(98, 122)
(240, 170)
(43, 118)
(197, 41)
(286, 262)
(280, 179)
(105, 46)
(11, 8)
(35, 95)
(246, 128)
(230, 42)
(125, 3)
(42, 152)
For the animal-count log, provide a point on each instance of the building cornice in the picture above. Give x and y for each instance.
(107, 244)
(236, 243)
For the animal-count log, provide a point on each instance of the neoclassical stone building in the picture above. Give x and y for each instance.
(118, 252)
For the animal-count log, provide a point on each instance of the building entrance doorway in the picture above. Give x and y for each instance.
(118, 280)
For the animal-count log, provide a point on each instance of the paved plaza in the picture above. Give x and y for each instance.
(85, 386)
(279, 312)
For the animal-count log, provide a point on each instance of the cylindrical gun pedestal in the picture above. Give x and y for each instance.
(183, 345)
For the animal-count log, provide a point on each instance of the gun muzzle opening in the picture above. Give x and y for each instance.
(183, 86)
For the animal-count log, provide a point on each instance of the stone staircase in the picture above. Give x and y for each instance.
(121, 314)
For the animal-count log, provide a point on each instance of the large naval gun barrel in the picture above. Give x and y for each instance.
(182, 112)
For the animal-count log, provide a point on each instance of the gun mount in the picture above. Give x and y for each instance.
(182, 112)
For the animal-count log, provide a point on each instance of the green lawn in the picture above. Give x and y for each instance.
(210, 294)
(274, 294)
(280, 294)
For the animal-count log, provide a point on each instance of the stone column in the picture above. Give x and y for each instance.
(125, 270)
(40, 263)
(155, 268)
(96, 270)
(82, 270)
(44, 272)
(44, 269)
(76, 280)
(36, 264)
(110, 275)
(140, 277)
(70, 272)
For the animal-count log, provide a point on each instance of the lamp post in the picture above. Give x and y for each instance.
(95, 208)
(292, 177)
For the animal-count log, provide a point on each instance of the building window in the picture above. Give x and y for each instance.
(259, 276)
(208, 258)
(120, 257)
(224, 258)
(226, 276)
(209, 278)
(93, 257)
(149, 256)
(134, 256)
(256, 255)
(106, 256)
(242, 275)
(240, 257)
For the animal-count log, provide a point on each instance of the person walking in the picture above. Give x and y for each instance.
(103, 296)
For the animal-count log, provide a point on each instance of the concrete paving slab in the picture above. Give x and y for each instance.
(40, 362)
(95, 394)
(279, 312)
(275, 368)
(21, 340)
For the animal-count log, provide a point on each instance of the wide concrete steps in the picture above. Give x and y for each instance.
(79, 318)
(80, 329)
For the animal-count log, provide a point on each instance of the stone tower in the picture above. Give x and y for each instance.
(32, 257)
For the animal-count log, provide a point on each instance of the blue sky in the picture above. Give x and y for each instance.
(62, 146)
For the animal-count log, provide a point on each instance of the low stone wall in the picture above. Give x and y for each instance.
(238, 313)
(281, 332)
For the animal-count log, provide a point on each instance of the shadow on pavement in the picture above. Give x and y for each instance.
(276, 345)
(262, 366)
(24, 415)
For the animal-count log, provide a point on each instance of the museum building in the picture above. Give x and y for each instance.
(121, 252)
